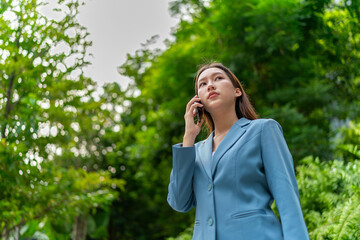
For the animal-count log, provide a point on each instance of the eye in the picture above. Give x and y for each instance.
(218, 78)
(201, 84)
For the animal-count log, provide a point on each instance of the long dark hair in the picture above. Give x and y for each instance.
(243, 106)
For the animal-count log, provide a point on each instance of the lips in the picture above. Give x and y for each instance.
(212, 94)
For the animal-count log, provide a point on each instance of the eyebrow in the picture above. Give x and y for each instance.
(215, 73)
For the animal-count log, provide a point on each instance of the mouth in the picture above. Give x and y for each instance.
(213, 94)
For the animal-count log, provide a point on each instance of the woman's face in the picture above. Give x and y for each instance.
(216, 90)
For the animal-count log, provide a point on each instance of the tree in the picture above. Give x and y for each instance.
(297, 60)
(48, 141)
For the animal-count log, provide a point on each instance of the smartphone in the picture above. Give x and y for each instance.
(199, 112)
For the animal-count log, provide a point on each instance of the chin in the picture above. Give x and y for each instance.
(213, 108)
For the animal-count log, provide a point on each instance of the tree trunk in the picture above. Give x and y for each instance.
(80, 228)
(17, 232)
(5, 234)
(13, 234)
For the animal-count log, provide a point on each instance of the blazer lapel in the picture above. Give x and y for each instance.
(205, 151)
(235, 132)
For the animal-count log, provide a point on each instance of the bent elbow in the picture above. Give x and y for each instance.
(180, 206)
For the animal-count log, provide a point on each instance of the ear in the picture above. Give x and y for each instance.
(238, 92)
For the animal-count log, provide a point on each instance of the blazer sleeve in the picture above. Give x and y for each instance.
(181, 196)
(280, 175)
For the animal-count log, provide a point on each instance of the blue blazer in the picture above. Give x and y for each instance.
(233, 192)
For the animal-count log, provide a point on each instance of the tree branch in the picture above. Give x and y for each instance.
(8, 107)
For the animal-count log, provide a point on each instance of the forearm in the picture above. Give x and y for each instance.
(181, 196)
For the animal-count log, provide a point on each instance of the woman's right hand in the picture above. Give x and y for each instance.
(192, 129)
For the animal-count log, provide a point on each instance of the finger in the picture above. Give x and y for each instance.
(193, 111)
(191, 102)
(195, 105)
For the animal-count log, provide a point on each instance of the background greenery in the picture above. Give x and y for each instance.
(76, 164)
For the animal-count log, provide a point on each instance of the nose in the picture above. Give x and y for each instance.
(210, 86)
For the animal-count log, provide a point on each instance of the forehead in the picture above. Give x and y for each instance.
(209, 72)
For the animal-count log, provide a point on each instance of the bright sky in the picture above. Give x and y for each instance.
(118, 27)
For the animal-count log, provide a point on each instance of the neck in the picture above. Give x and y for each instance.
(223, 121)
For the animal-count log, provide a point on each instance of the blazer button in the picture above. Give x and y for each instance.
(210, 221)
(209, 186)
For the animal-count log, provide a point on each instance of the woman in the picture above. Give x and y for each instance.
(234, 175)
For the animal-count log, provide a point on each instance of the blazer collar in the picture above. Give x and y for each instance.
(205, 148)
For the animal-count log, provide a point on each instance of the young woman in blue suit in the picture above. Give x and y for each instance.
(234, 175)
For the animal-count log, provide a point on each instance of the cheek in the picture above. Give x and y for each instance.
(202, 93)
(228, 87)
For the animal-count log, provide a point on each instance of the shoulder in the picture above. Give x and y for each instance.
(265, 123)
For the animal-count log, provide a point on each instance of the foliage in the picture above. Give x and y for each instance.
(348, 141)
(49, 151)
(186, 235)
(298, 61)
(66, 150)
(330, 198)
(330, 191)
